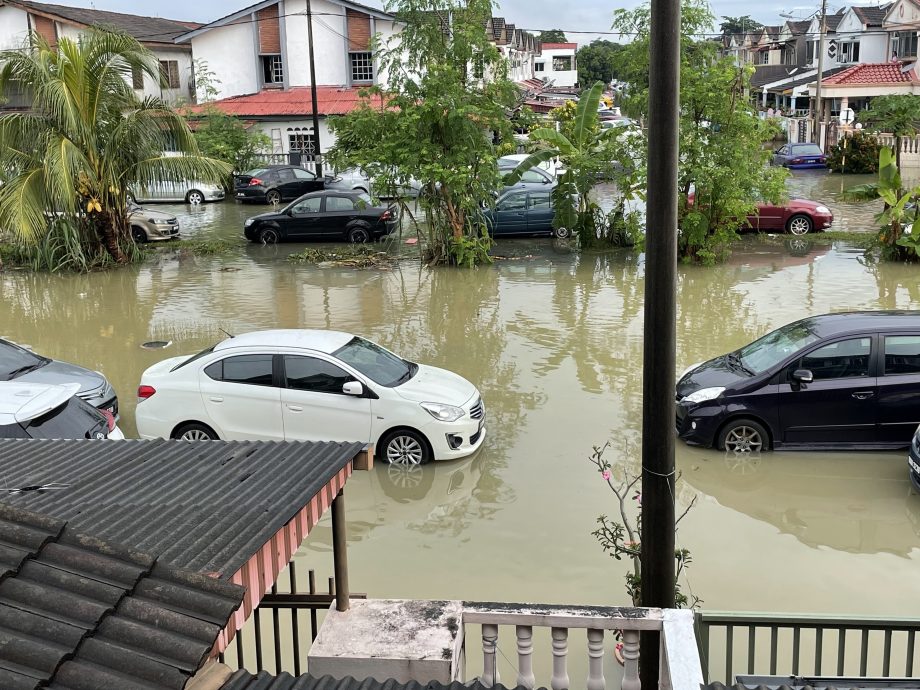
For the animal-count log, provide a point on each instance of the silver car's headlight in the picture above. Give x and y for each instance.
(704, 394)
(442, 412)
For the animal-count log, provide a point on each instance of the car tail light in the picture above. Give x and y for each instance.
(144, 392)
(795, 161)
(386, 215)
(109, 419)
(254, 182)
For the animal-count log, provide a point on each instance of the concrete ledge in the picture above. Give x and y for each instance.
(400, 639)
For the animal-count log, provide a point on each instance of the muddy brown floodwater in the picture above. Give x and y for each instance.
(554, 341)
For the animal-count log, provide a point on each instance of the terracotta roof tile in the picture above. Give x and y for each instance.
(884, 73)
(560, 46)
(331, 100)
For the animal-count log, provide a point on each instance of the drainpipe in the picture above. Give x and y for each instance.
(660, 329)
(821, 32)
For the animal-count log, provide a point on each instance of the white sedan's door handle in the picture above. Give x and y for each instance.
(295, 408)
(216, 399)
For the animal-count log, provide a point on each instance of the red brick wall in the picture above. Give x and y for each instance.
(269, 31)
(44, 27)
(359, 30)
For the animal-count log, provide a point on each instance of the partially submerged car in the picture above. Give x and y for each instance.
(47, 411)
(148, 225)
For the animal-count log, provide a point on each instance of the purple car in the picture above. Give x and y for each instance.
(800, 156)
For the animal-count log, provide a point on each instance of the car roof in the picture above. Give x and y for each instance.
(331, 192)
(20, 402)
(310, 339)
(841, 323)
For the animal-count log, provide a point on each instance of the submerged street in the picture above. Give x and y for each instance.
(553, 339)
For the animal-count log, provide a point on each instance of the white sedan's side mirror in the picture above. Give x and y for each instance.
(353, 388)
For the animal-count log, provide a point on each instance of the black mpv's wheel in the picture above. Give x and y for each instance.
(743, 436)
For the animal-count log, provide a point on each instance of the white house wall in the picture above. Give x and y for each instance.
(14, 27)
(275, 129)
(230, 53)
(561, 78)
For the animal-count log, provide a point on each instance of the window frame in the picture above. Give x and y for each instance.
(330, 197)
(532, 196)
(222, 360)
(137, 78)
(167, 74)
(883, 361)
(273, 71)
(284, 374)
(361, 66)
(797, 363)
(319, 207)
(539, 66)
(522, 195)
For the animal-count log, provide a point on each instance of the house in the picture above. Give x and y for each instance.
(861, 36)
(20, 18)
(557, 64)
(901, 22)
(519, 48)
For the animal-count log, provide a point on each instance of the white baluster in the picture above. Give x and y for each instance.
(631, 659)
(560, 679)
(525, 656)
(489, 659)
(595, 660)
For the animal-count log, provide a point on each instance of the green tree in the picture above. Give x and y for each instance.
(723, 171)
(225, 138)
(597, 61)
(898, 115)
(447, 94)
(552, 36)
(739, 25)
(857, 153)
(87, 139)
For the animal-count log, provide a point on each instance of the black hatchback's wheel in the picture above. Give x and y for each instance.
(743, 436)
(404, 447)
(358, 235)
(800, 225)
(273, 197)
(138, 234)
(195, 432)
(269, 236)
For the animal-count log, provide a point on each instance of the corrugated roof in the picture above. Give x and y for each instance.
(872, 74)
(149, 29)
(297, 101)
(243, 680)
(872, 16)
(77, 612)
(207, 507)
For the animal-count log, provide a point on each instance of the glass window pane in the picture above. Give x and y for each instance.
(16, 359)
(902, 354)
(310, 205)
(539, 201)
(532, 176)
(845, 359)
(73, 419)
(339, 203)
(516, 202)
(302, 174)
(255, 370)
(316, 375)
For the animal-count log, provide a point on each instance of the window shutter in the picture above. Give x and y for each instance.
(44, 27)
(359, 30)
(269, 31)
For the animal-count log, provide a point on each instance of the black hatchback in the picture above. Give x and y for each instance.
(838, 381)
(327, 215)
(275, 183)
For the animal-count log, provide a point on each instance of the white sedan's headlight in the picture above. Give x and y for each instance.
(442, 412)
(704, 394)
(822, 209)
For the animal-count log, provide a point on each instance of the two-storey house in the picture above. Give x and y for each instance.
(20, 19)
(557, 64)
(520, 48)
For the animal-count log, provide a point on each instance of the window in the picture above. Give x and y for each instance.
(137, 78)
(362, 66)
(533, 176)
(272, 69)
(539, 66)
(255, 370)
(339, 203)
(377, 364)
(562, 64)
(515, 202)
(811, 51)
(301, 142)
(169, 72)
(301, 174)
(904, 44)
(540, 200)
(902, 354)
(845, 359)
(316, 375)
(310, 205)
(849, 52)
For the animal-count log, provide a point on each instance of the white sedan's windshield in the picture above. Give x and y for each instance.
(774, 347)
(376, 363)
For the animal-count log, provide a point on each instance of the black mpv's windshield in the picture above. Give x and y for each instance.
(768, 351)
(376, 363)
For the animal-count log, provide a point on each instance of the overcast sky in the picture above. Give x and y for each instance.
(577, 15)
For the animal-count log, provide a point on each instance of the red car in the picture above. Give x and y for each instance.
(797, 216)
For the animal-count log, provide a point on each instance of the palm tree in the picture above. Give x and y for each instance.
(87, 139)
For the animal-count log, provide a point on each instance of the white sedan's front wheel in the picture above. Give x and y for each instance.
(404, 447)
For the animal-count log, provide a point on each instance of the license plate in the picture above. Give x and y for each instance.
(240, 194)
(914, 466)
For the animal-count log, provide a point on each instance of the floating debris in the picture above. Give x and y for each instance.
(156, 344)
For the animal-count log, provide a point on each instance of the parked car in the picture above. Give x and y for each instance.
(152, 226)
(796, 216)
(327, 215)
(837, 381)
(524, 212)
(800, 156)
(48, 411)
(312, 385)
(189, 191)
(273, 184)
(535, 178)
(24, 366)
(356, 180)
(913, 460)
(512, 160)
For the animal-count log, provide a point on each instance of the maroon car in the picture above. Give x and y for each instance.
(797, 216)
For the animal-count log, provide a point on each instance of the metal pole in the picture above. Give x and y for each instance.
(821, 31)
(660, 329)
(340, 552)
(318, 162)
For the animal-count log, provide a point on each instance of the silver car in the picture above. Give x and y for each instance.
(152, 226)
(355, 179)
(24, 366)
(191, 192)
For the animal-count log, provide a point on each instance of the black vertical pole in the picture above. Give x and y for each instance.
(659, 361)
(340, 552)
(318, 162)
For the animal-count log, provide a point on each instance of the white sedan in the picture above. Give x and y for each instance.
(311, 385)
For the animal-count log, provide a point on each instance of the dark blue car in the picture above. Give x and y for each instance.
(524, 212)
(838, 381)
(800, 156)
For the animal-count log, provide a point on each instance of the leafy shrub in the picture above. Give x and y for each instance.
(857, 154)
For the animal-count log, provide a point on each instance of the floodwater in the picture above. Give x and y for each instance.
(554, 341)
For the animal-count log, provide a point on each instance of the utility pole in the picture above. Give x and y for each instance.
(821, 31)
(660, 329)
(318, 160)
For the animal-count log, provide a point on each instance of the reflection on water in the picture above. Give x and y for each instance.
(554, 341)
